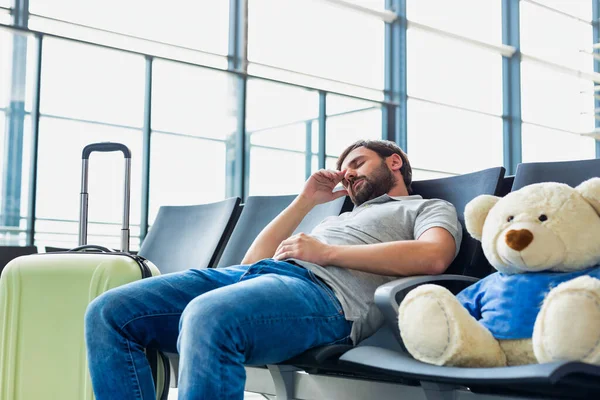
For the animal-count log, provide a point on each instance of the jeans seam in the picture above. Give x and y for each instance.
(247, 272)
(137, 379)
(297, 318)
(161, 314)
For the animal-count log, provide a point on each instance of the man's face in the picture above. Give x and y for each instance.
(367, 175)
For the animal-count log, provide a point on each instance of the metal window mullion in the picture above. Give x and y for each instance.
(238, 147)
(242, 146)
(20, 12)
(394, 118)
(322, 128)
(146, 146)
(12, 159)
(35, 133)
(308, 150)
(511, 87)
(596, 39)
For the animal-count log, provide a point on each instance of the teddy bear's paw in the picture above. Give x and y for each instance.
(424, 322)
(568, 325)
(437, 329)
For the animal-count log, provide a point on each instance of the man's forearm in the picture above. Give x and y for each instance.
(411, 257)
(278, 230)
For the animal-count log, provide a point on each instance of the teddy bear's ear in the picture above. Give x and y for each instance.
(590, 190)
(476, 212)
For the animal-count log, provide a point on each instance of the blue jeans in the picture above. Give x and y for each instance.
(217, 319)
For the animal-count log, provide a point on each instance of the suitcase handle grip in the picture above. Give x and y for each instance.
(92, 247)
(105, 147)
(83, 212)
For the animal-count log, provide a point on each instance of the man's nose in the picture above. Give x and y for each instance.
(349, 175)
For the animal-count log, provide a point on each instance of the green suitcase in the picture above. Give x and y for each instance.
(43, 299)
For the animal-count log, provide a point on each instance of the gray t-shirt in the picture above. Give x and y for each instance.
(380, 220)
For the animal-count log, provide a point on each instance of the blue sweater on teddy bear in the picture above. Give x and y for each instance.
(507, 305)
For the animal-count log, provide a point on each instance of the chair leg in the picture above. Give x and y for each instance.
(283, 378)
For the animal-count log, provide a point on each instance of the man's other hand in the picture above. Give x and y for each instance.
(303, 247)
(319, 187)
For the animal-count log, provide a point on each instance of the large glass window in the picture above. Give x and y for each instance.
(556, 99)
(193, 101)
(278, 123)
(579, 9)
(13, 227)
(26, 45)
(196, 24)
(95, 84)
(59, 180)
(543, 144)
(185, 170)
(349, 120)
(472, 18)
(453, 72)
(6, 46)
(5, 17)
(448, 140)
(317, 38)
(17, 62)
(556, 37)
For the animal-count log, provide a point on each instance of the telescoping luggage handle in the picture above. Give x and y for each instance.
(83, 212)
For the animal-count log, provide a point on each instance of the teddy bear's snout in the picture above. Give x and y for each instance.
(518, 240)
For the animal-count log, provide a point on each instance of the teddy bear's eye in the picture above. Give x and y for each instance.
(543, 217)
(509, 219)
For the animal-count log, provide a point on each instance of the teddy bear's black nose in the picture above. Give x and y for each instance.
(518, 240)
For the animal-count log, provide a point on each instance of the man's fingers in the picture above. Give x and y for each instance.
(333, 176)
(340, 193)
(283, 256)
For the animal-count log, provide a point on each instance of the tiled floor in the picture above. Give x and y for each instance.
(248, 396)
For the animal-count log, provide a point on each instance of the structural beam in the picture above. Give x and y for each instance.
(394, 118)
(511, 87)
(146, 146)
(10, 205)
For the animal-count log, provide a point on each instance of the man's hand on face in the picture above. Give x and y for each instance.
(303, 247)
(319, 187)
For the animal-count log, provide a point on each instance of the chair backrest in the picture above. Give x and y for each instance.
(506, 186)
(184, 237)
(571, 173)
(258, 211)
(9, 253)
(459, 190)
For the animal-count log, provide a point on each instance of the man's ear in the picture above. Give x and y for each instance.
(476, 212)
(395, 162)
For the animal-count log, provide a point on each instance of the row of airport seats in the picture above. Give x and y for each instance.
(379, 367)
(218, 235)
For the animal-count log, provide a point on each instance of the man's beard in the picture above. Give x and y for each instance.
(380, 182)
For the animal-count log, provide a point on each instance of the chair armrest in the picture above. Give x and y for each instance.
(389, 296)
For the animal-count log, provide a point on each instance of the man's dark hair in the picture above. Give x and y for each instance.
(384, 148)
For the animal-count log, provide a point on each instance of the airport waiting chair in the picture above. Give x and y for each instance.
(9, 253)
(507, 184)
(184, 237)
(256, 213)
(550, 380)
(319, 370)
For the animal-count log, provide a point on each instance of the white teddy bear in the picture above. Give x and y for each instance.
(542, 305)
